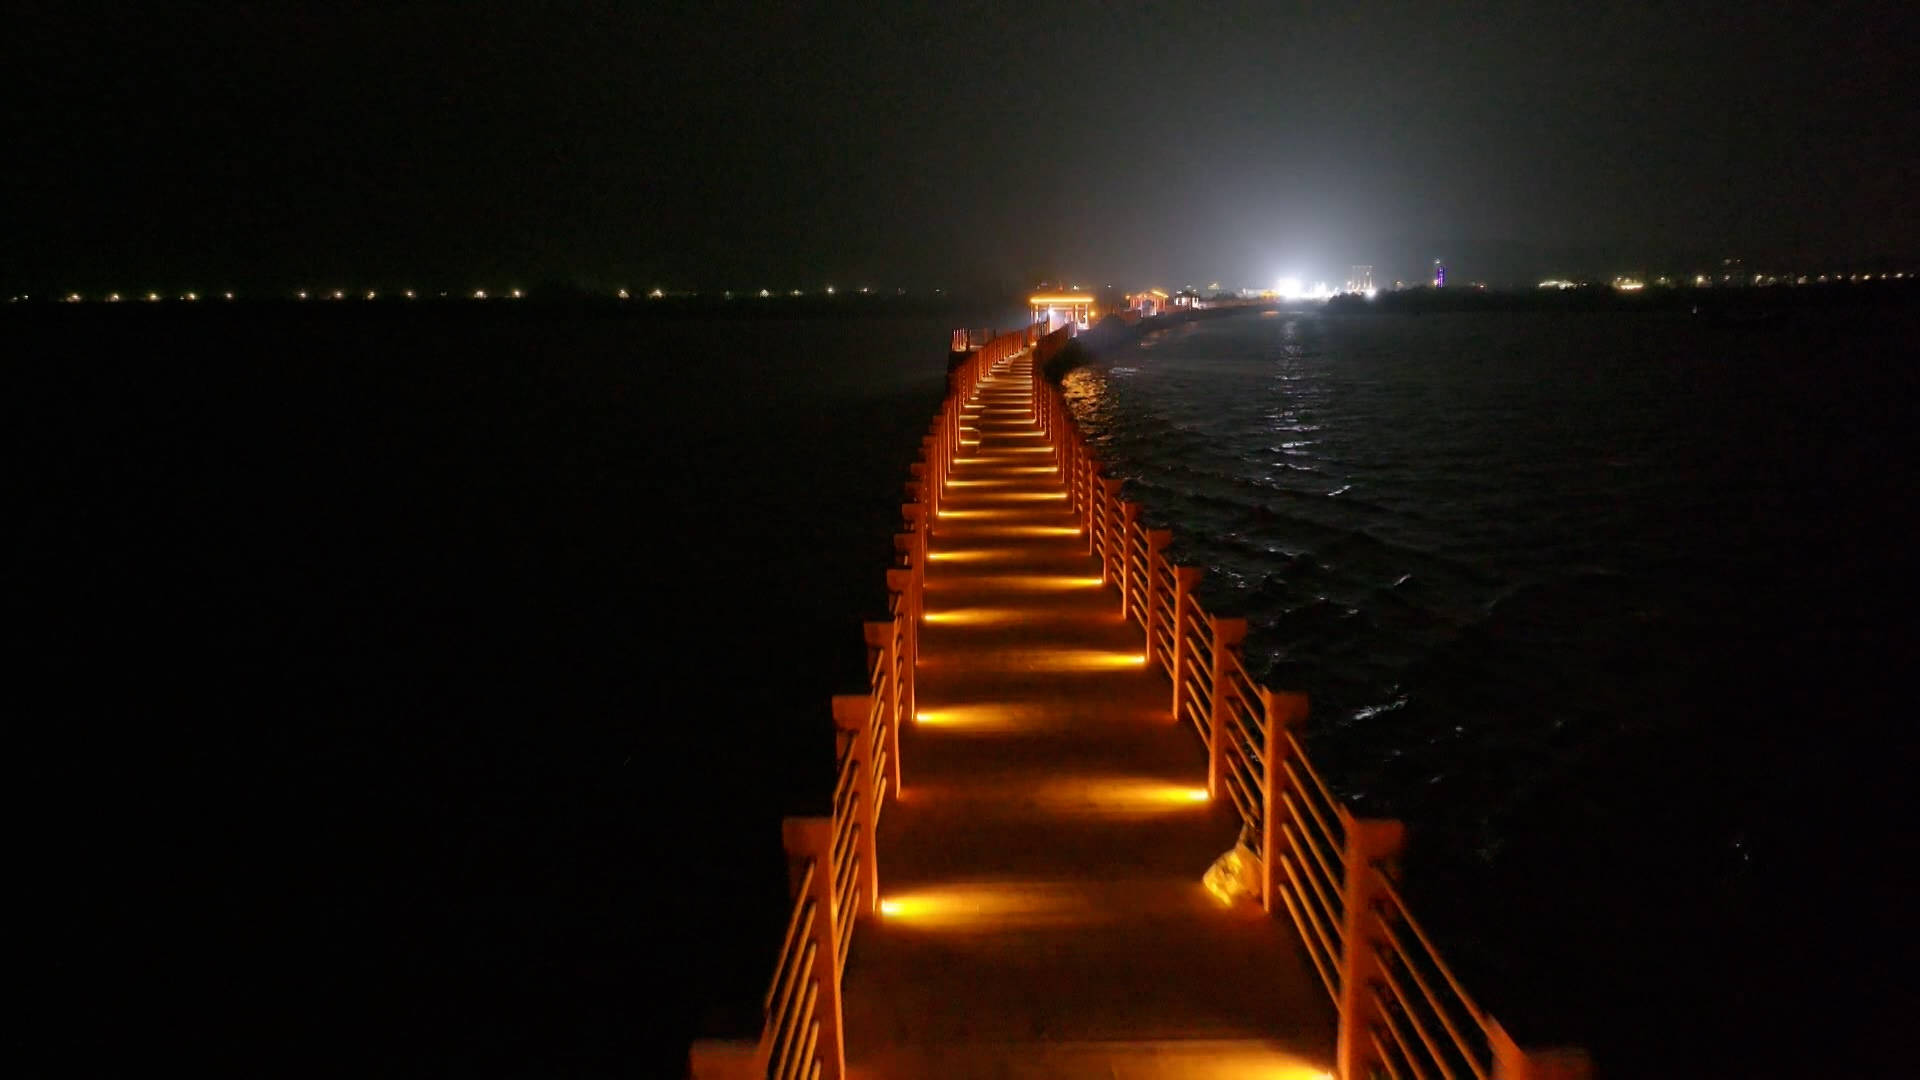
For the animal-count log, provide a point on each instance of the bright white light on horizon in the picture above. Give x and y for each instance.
(1292, 288)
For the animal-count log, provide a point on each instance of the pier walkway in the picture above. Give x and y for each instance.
(1043, 913)
(1062, 740)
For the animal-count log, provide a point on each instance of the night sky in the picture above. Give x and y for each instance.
(266, 146)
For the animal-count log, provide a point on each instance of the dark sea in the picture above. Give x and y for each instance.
(419, 691)
(1613, 609)
(415, 692)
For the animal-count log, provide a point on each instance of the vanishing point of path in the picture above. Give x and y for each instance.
(1042, 906)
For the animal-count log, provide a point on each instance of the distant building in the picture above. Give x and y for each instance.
(1439, 274)
(1149, 303)
(1059, 309)
(1187, 298)
(1360, 279)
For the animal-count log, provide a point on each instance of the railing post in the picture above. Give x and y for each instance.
(919, 524)
(901, 581)
(881, 636)
(854, 713)
(1129, 521)
(727, 1059)
(812, 838)
(1158, 540)
(1109, 495)
(1369, 841)
(1285, 712)
(1227, 636)
(1185, 578)
(934, 478)
(1089, 479)
(1510, 1062)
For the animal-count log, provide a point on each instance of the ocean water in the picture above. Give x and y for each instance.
(410, 692)
(414, 692)
(1609, 608)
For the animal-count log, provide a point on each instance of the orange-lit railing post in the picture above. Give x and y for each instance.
(1090, 478)
(920, 526)
(1285, 712)
(907, 544)
(1109, 519)
(1158, 540)
(933, 477)
(852, 713)
(811, 839)
(1227, 636)
(1184, 580)
(900, 580)
(1370, 842)
(883, 638)
(919, 483)
(1129, 522)
(1510, 1062)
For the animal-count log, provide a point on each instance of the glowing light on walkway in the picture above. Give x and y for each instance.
(977, 616)
(1082, 660)
(1035, 582)
(974, 555)
(986, 907)
(1023, 530)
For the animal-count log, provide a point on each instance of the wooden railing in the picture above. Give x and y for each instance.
(833, 868)
(1402, 1012)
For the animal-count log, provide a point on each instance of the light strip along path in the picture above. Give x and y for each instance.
(1042, 907)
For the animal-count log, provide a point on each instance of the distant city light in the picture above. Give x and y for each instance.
(408, 294)
(479, 294)
(153, 297)
(339, 294)
(227, 295)
(113, 298)
(829, 290)
(764, 292)
(516, 294)
(302, 294)
(191, 296)
(1292, 288)
(371, 295)
(622, 294)
(1557, 283)
(1627, 284)
(657, 294)
(73, 298)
